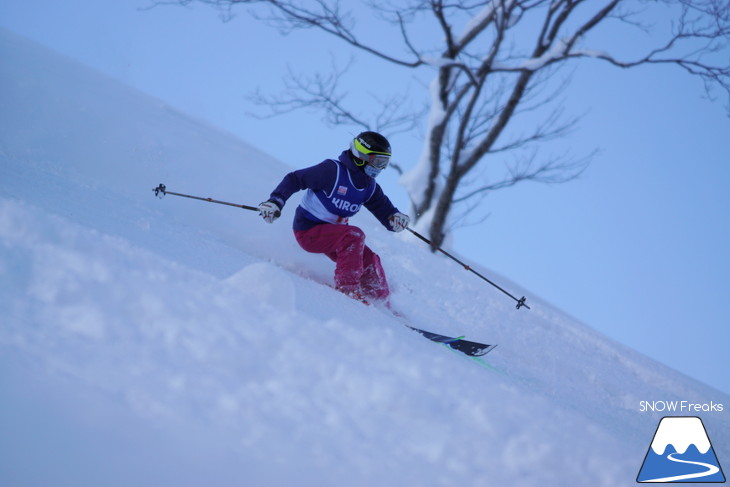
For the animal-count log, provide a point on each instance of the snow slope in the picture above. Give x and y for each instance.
(173, 342)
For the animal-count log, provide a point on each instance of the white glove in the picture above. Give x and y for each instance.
(269, 211)
(399, 222)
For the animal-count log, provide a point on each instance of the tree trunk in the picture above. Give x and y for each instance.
(437, 231)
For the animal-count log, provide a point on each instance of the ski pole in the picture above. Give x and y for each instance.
(161, 191)
(520, 302)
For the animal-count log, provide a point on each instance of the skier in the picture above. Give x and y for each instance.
(336, 190)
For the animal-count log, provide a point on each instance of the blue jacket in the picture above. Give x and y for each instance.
(336, 190)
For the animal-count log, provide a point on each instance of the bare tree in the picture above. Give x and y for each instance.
(497, 67)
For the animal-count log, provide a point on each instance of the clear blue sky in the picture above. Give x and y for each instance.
(638, 247)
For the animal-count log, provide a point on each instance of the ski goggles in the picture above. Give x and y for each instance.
(373, 161)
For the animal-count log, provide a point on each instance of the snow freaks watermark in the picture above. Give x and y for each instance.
(682, 407)
(680, 451)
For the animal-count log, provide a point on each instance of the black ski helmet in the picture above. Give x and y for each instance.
(371, 152)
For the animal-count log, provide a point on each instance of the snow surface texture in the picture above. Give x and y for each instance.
(174, 342)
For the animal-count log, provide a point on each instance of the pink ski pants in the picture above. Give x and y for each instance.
(357, 268)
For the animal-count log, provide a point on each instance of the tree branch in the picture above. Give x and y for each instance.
(485, 78)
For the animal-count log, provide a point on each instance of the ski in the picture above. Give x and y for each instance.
(468, 347)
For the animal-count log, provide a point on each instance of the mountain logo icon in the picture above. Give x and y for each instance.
(680, 452)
